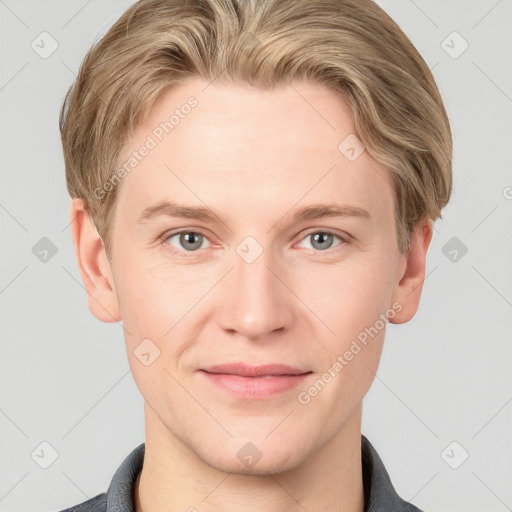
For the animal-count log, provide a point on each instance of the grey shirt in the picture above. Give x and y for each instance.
(379, 493)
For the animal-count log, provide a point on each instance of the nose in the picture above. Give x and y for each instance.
(255, 301)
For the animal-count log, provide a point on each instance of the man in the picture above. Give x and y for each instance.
(302, 150)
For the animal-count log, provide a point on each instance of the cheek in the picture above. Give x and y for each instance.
(153, 297)
(161, 303)
(346, 298)
(151, 308)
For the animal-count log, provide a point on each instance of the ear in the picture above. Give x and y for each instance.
(408, 290)
(93, 264)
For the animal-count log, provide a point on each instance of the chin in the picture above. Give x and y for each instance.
(266, 466)
(259, 458)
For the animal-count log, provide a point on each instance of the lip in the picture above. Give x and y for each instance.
(255, 382)
(246, 370)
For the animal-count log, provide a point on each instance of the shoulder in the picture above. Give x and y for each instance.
(96, 504)
(380, 494)
(121, 490)
(405, 506)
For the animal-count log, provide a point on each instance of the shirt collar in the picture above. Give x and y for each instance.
(379, 493)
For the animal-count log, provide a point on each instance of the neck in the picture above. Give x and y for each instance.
(174, 478)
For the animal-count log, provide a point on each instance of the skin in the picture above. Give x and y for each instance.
(253, 157)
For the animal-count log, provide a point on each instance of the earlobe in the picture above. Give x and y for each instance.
(410, 280)
(93, 264)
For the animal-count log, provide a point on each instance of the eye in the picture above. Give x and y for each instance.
(322, 240)
(185, 241)
(190, 241)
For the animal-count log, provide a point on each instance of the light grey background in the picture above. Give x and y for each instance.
(443, 377)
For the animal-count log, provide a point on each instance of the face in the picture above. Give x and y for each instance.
(245, 237)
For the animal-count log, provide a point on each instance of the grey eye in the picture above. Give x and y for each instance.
(188, 240)
(321, 240)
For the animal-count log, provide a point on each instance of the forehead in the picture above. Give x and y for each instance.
(301, 113)
(251, 147)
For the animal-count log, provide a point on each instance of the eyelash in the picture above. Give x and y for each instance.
(187, 254)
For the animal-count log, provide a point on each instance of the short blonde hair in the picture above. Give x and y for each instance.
(352, 46)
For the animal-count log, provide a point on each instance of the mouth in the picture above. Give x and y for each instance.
(255, 382)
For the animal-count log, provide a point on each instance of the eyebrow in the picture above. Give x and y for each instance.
(315, 211)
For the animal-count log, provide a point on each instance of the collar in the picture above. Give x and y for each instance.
(379, 493)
